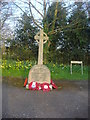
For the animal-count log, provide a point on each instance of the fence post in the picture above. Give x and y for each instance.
(82, 68)
(71, 67)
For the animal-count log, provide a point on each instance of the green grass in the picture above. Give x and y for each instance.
(58, 72)
(63, 72)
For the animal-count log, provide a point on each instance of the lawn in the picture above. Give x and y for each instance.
(58, 71)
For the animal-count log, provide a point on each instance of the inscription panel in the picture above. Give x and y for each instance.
(39, 73)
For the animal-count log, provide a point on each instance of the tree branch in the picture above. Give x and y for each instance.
(19, 7)
(61, 29)
(44, 4)
(33, 17)
(55, 16)
(36, 9)
(26, 14)
(39, 2)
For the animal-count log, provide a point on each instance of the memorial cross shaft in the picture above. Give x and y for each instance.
(41, 38)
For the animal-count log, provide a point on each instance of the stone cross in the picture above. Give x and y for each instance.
(40, 73)
(41, 38)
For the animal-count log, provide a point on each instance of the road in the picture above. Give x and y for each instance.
(69, 102)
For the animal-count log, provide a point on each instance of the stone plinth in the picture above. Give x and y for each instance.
(39, 73)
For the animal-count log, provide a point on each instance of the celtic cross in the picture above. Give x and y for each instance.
(41, 38)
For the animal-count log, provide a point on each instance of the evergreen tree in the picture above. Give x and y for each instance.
(54, 20)
(75, 43)
(26, 47)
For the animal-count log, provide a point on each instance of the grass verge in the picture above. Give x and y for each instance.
(58, 72)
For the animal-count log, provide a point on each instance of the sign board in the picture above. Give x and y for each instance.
(76, 62)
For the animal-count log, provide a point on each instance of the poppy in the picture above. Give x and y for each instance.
(38, 86)
(33, 85)
(53, 85)
(26, 80)
(45, 87)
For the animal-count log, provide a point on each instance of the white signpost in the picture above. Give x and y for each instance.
(77, 62)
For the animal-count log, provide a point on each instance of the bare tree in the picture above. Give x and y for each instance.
(5, 31)
(5, 12)
(44, 4)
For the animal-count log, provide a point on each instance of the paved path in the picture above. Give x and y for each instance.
(69, 102)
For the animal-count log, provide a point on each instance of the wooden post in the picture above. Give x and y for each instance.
(71, 67)
(82, 68)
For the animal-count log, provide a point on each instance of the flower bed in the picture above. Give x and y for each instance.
(40, 86)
